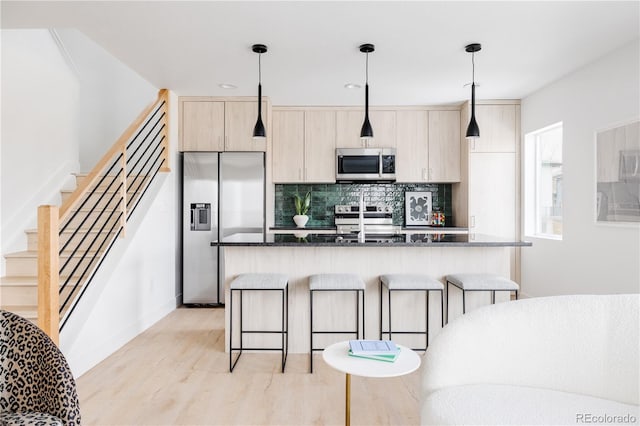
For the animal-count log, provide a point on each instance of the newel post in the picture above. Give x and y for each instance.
(48, 272)
(164, 95)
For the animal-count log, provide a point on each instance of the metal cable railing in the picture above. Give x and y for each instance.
(95, 214)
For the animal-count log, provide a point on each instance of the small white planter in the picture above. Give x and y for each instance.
(301, 220)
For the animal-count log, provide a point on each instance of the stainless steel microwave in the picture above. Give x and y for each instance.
(366, 164)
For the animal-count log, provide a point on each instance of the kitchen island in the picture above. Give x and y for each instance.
(301, 254)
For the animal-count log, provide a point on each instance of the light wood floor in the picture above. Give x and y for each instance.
(176, 373)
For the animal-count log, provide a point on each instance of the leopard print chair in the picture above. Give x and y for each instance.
(36, 384)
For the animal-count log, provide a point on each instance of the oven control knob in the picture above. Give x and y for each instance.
(387, 209)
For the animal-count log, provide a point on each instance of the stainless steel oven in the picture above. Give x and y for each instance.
(366, 164)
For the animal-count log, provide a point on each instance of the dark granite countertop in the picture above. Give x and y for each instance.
(307, 239)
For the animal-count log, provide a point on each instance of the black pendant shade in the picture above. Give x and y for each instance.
(259, 131)
(473, 131)
(367, 130)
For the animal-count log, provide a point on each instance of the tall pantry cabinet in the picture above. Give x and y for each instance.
(487, 200)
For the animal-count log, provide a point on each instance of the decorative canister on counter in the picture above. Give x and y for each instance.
(437, 219)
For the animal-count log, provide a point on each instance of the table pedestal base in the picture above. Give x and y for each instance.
(347, 416)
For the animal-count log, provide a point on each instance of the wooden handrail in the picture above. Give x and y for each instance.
(51, 217)
(118, 146)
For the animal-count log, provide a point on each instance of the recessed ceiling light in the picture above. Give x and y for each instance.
(227, 86)
(352, 86)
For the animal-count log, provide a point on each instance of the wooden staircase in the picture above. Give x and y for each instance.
(45, 282)
(19, 288)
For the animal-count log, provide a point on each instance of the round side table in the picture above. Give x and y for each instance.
(337, 356)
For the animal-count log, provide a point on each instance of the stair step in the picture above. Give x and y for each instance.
(26, 263)
(23, 291)
(80, 178)
(29, 312)
(32, 237)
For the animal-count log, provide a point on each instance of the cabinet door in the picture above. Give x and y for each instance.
(240, 119)
(444, 146)
(492, 194)
(202, 126)
(288, 146)
(412, 156)
(320, 146)
(348, 126)
(497, 125)
(384, 129)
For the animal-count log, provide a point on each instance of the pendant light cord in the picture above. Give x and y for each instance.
(259, 68)
(473, 68)
(367, 69)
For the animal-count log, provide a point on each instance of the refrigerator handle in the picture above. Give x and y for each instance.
(192, 219)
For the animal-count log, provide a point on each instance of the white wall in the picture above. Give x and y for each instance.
(39, 148)
(590, 259)
(111, 97)
(137, 283)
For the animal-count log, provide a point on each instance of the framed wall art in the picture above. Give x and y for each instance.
(617, 198)
(417, 207)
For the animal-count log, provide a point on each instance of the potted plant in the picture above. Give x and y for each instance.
(302, 207)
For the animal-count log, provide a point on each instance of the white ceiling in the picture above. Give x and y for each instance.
(191, 47)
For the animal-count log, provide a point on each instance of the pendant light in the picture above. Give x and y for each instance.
(473, 131)
(367, 130)
(259, 131)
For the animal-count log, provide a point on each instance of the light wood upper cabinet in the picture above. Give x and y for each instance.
(428, 146)
(240, 118)
(497, 125)
(320, 146)
(412, 155)
(220, 125)
(304, 146)
(349, 124)
(202, 126)
(444, 146)
(288, 146)
(384, 129)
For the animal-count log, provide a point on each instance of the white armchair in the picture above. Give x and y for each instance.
(552, 360)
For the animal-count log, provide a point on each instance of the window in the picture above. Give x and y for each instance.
(543, 182)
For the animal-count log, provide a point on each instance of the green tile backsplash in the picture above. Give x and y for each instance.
(325, 196)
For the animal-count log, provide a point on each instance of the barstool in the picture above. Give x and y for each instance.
(335, 282)
(260, 282)
(480, 282)
(411, 282)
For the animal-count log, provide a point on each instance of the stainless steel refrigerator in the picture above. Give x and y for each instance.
(223, 195)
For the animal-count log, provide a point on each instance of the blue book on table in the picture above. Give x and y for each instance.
(373, 347)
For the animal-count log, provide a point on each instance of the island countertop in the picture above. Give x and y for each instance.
(412, 239)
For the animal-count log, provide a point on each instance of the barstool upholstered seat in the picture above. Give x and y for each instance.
(410, 282)
(480, 282)
(335, 282)
(260, 282)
